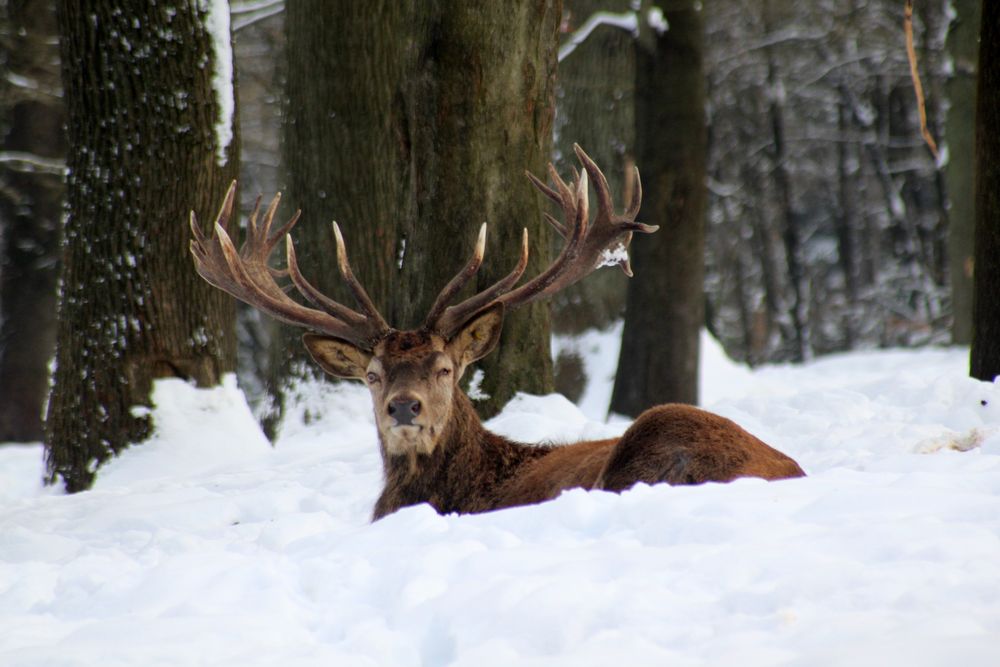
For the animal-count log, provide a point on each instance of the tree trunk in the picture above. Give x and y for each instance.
(596, 110)
(149, 143)
(985, 355)
(846, 224)
(30, 206)
(790, 217)
(665, 304)
(411, 127)
(962, 45)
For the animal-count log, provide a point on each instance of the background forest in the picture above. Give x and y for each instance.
(829, 225)
(841, 241)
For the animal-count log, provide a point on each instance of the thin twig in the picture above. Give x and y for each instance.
(911, 54)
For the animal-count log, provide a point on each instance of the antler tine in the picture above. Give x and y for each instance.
(360, 295)
(246, 275)
(265, 228)
(252, 220)
(310, 292)
(453, 317)
(589, 244)
(458, 282)
(600, 182)
(555, 224)
(544, 189)
(226, 210)
(636, 203)
(284, 229)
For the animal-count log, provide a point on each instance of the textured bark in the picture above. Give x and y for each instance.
(665, 304)
(30, 208)
(596, 110)
(962, 45)
(411, 124)
(985, 355)
(142, 114)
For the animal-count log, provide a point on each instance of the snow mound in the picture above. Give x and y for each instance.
(196, 432)
(206, 546)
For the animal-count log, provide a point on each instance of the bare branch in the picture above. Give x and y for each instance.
(911, 54)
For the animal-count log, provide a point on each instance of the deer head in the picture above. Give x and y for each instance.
(413, 375)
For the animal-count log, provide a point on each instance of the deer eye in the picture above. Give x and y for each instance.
(372, 378)
(444, 372)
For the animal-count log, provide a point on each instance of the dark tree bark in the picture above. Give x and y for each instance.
(411, 124)
(846, 224)
(146, 149)
(985, 354)
(596, 110)
(665, 305)
(30, 206)
(789, 223)
(962, 45)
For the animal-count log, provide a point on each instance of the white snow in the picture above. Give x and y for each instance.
(627, 21)
(657, 21)
(613, 256)
(217, 25)
(475, 389)
(206, 546)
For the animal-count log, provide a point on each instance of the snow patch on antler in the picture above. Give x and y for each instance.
(613, 256)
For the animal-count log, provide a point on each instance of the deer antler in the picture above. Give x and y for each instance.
(245, 274)
(589, 245)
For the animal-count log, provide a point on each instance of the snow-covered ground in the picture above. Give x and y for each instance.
(208, 547)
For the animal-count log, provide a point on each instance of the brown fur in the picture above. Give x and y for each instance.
(474, 470)
(449, 460)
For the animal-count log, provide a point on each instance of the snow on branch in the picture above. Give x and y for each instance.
(251, 6)
(628, 21)
(245, 14)
(31, 163)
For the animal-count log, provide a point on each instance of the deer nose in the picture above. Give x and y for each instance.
(404, 411)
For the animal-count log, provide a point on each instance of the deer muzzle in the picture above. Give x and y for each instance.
(404, 411)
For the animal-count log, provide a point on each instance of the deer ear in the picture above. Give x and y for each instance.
(477, 337)
(337, 357)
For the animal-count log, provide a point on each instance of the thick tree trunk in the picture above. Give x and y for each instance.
(960, 132)
(985, 355)
(665, 305)
(147, 131)
(596, 110)
(412, 126)
(30, 206)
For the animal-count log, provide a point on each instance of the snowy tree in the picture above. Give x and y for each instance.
(411, 124)
(827, 226)
(149, 90)
(31, 193)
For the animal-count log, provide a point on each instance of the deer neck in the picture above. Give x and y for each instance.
(463, 472)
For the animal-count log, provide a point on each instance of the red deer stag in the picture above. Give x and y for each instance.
(434, 447)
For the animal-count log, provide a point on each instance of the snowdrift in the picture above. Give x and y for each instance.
(206, 546)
